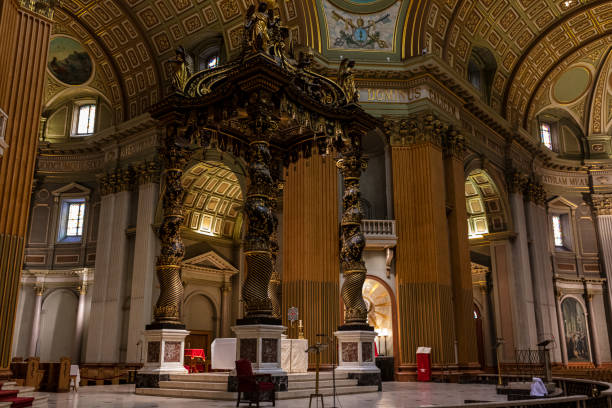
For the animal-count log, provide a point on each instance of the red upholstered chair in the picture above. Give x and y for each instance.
(254, 388)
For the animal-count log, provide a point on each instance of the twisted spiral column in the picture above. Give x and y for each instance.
(172, 247)
(261, 223)
(351, 164)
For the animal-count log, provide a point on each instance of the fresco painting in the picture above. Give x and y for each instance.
(576, 336)
(68, 61)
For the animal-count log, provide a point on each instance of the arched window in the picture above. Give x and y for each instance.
(481, 71)
(576, 335)
(208, 54)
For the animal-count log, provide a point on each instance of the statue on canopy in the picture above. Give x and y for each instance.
(180, 71)
(346, 80)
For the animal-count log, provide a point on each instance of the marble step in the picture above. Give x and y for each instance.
(200, 377)
(310, 376)
(300, 385)
(231, 396)
(222, 386)
(194, 385)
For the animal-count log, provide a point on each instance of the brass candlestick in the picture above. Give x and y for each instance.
(300, 330)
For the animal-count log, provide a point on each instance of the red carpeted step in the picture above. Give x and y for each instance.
(18, 402)
(8, 394)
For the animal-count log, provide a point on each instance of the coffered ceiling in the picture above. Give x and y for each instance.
(131, 40)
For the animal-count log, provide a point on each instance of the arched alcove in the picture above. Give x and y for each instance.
(482, 66)
(57, 325)
(485, 207)
(576, 332)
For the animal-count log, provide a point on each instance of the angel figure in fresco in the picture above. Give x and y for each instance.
(346, 80)
(180, 71)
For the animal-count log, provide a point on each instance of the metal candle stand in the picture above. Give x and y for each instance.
(317, 349)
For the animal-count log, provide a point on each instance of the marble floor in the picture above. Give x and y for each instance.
(394, 395)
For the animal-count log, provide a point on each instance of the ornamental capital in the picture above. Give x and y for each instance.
(147, 172)
(453, 143)
(417, 129)
(516, 182)
(601, 204)
(534, 192)
(42, 7)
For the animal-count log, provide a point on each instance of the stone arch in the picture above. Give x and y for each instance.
(214, 195)
(487, 210)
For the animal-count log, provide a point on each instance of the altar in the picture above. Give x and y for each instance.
(294, 358)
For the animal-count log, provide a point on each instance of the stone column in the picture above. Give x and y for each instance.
(602, 209)
(501, 299)
(226, 315)
(39, 290)
(143, 270)
(24, 43)
(593, 329)
(562, 340)
(463, 298)
(105, 329)
(525, 332)
(80, 321)
(542, 272)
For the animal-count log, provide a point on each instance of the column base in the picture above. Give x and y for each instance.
(261, 345)
(164, 354)
(356, 349)
(5, 373)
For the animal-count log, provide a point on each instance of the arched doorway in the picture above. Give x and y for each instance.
(381, 314)
(200, 315)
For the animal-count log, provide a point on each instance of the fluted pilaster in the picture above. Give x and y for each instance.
(311, 273)
(24, 39)
(422, 255)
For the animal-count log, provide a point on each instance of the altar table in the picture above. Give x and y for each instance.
(294, 358)
(196, 360)
(223, 354)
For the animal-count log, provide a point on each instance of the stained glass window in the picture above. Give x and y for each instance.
(213, 62)
(86, 119)
(557, 231)
(545, 135)
(74, 221)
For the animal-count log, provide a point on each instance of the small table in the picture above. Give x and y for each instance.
(197, 358)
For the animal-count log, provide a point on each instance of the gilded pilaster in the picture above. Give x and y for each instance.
(24, 39)
(311, 270)
(425, 298)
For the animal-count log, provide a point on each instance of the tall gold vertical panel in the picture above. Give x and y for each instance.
(23, 75)
(463, 298)
(311, 269)
(422, 255)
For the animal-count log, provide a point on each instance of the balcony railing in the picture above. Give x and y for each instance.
(379, 233)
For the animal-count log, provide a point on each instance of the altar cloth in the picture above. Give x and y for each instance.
(223, 354)
(294, 358)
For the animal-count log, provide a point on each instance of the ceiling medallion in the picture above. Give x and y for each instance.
(363, 6)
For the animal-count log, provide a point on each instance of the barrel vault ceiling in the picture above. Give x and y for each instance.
(532, 41)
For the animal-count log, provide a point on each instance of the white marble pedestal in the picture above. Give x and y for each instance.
(356, 356)
(356, 351)
(261, 345)
(164, 355)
